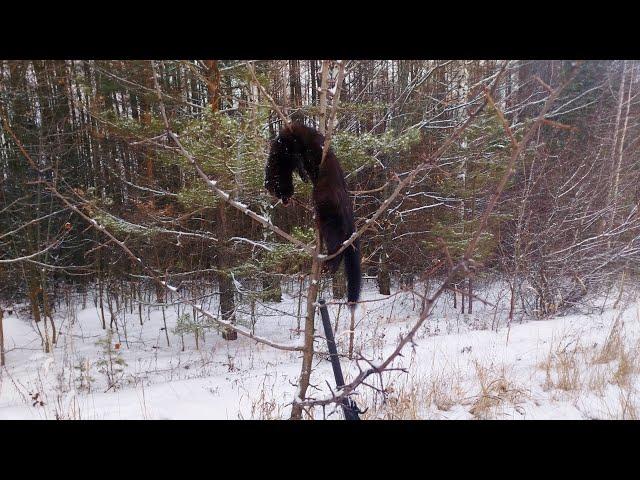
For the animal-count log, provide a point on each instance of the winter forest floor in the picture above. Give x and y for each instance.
(578, 366)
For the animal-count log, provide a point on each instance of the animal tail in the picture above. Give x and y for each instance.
(353, 273)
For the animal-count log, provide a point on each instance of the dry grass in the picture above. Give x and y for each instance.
(498, 394)
(409, 397)
(490, 393)
(628, 401)
(623, 360)
(402, 404)
(613, 345)
(600, 380)
(444, 393)
(578, 370)
(265, 406)
(562, 365)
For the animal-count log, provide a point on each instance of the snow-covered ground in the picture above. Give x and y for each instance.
(577, 366)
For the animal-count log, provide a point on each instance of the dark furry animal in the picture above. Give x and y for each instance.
(298, 148)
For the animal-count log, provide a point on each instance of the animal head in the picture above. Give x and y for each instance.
(290, 151)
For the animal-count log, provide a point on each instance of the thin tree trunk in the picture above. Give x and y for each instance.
(101, 295)
(47, 312)
(352, 332)
(295, 90)
(213, 84)
(300, 301)
(227, 304)
(384, 279)
(1, 338)
(166, 330)
(309, 332)
(618, 164)
(314, 81)
(323, 97)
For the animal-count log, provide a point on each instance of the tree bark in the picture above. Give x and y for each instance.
(213, 84)
(227, 304)
(295, 90)
(384, 278)
(617, 162)
(1, 338)
(309, 333)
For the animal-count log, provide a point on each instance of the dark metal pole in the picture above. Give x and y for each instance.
(349, 407)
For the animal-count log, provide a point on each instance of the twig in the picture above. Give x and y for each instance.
(462, 264)
(282, 116)
(334, 108)
(137, 260)
(213, 184)
(411, 176)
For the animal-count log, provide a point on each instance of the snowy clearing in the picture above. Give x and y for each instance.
(580, 366)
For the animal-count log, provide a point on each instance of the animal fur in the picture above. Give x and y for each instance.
(298, 148)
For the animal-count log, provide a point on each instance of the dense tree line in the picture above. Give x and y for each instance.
(566, 226)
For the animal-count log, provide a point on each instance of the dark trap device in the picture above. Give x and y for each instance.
(349, 407)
